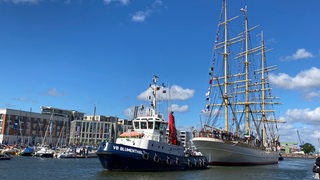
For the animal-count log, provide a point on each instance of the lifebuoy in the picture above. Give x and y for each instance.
(200, 163)
(145, 156)
(205, 162)
(168, 160)
(195, 163)
(189, 163)
(156, 158)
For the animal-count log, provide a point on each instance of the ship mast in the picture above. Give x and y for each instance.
(264, 112)
(264, 130)
(224, 44)
(225, 60)
(247, 73)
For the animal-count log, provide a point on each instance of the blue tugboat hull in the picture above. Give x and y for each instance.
(120, 157)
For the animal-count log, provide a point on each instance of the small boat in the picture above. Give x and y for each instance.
(86, 152)
(65, 153)
(28, 151)
(44, 152)
(4, 156)
(146, 147)
(11, 151)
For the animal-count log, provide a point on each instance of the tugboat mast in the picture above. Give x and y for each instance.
(154, 88)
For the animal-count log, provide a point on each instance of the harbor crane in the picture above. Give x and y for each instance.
(300, 141)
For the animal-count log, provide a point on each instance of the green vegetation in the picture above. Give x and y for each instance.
(308, 148)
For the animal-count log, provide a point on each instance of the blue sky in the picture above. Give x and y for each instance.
(74, 54)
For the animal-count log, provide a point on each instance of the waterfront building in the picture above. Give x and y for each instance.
(93, 129)
(184, 137)
(50, 127)
(70, 114)
(124, 125)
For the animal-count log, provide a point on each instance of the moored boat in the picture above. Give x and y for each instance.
(65, 153)
(28, 151)
(4, 156)
(240, 125)
(86, 152)
(146, 147)
(44, 152)
(13, 151)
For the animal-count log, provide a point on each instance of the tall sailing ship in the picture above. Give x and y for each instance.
(240, 126)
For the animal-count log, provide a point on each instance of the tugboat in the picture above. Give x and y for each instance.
(146, 148)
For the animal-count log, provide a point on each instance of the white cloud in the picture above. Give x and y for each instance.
(178, 93)
(129, 112)
(306, 121)
(311, 95)
(54, 92)
(306, 116)
(177, 108)
(140, 16)
(165, 94)
(307, 135)
(174, 93)
(306, 81)
(299, 54)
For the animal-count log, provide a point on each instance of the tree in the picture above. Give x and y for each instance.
(308, 148)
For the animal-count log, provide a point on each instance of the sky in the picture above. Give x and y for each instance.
(77, 54)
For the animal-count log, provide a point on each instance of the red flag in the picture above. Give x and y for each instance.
(172, 130)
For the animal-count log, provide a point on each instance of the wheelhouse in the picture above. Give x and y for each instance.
(149, 123)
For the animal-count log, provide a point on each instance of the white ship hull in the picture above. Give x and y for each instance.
(235, 154)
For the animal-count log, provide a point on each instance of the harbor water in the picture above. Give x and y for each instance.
(49, 168)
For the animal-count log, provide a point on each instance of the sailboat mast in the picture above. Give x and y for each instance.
(225, 60)
(247, 72)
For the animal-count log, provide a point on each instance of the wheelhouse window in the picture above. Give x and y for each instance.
(143, 125)
(150, 124)
(157, 125)
(163, 126)
(136, 125)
